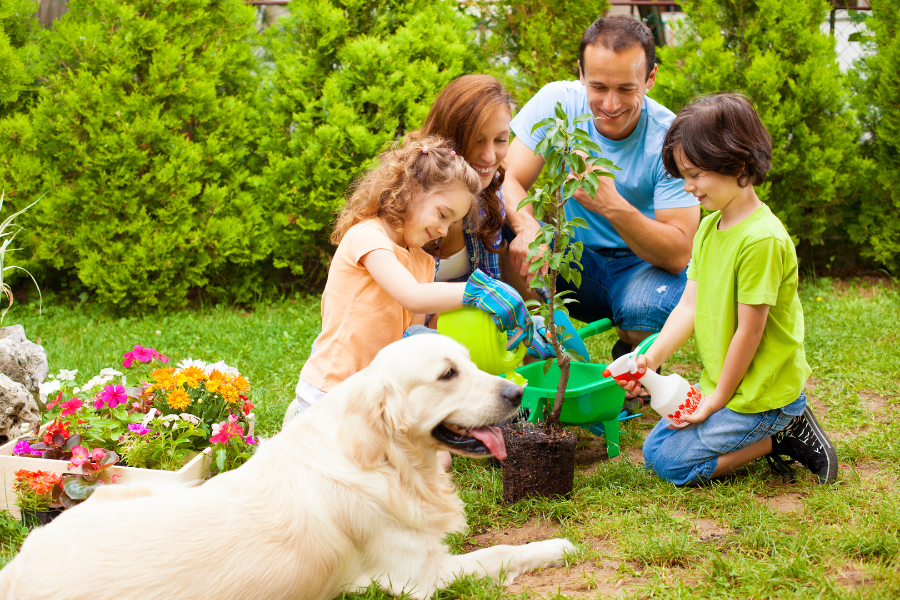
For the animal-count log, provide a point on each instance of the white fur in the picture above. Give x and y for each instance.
(348, 493)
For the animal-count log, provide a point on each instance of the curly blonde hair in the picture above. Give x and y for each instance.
(388, 190)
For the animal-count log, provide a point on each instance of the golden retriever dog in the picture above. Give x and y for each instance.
(350, 492)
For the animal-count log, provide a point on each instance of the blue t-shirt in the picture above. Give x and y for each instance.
(643, 180)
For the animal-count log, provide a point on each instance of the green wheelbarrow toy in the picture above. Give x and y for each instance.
(593, 401)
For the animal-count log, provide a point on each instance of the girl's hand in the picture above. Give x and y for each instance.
(504, 305)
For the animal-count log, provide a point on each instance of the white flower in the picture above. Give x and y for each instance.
(221, 367)
(26, 427)
(91, 384)
(67, 375)
(48, 387)
(75, 390)
(109, 372)
(192, 363)
(215, 428)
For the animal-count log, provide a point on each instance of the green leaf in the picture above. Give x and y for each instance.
(547, 364)
(221, 455)
(583, 118)
(73, 441)
(542, 123)
(78, 488)
(570, 187)
(560, 113)
(542, 146)
(589, 145)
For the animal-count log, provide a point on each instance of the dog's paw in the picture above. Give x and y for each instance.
(553, 552)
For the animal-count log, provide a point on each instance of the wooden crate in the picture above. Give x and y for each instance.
(196, 468)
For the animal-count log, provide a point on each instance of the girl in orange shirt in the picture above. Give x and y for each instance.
(381, 282)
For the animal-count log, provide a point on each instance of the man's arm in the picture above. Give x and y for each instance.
(665, 242)
(523, 170)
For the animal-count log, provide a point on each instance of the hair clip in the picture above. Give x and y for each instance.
(452, 153)
(424, 149)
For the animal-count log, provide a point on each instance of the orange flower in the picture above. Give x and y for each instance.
(178, 400)
(164, 378)
(230, 394)
(240, 383)
(192, 376)
(213, 385)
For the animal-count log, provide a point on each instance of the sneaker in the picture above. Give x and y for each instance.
(804, 441)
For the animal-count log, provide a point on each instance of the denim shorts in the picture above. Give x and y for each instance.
(690, 455)
(617, 285)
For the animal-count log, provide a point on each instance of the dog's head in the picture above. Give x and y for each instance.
(425, 390)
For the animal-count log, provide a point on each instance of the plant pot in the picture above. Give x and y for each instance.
(36, 518)
(537, 463)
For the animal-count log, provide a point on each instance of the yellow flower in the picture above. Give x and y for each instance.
(213, 385)
(178, 400)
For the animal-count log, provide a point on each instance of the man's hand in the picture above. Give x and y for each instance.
(518, 248)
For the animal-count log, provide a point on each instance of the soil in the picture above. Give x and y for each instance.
(537, 463)
(607, 575)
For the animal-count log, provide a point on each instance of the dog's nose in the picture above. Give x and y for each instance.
(513, 394)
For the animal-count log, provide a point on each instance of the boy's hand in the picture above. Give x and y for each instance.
(710, 405)
(634, 388)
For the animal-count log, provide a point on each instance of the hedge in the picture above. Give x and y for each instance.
(775, 53)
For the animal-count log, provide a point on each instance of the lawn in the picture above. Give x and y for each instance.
(748, 536)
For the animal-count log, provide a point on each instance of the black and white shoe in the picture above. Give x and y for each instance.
(804, 441)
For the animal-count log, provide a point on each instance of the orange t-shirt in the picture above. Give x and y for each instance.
(358, 317)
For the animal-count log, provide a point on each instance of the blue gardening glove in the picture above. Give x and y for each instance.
(504, 305)
(540, 346)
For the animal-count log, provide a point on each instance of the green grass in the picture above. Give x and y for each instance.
(747, 536)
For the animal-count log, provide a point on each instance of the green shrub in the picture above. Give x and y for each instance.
(878, 101)
(346, 78)
(774, 52)
(144, 136)
(17, 25)
(540, 39)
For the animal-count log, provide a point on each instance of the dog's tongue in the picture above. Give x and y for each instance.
(493, 439)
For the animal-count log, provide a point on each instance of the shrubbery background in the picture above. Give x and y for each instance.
(183, 152)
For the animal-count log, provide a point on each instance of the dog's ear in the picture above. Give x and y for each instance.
(364, 428)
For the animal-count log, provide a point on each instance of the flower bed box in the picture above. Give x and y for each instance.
(196, 468)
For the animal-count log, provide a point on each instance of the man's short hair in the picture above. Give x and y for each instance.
(619, 33)
(723, 134)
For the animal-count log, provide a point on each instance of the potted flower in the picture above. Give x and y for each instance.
(541, 459)
(34, 496)
(146, 418)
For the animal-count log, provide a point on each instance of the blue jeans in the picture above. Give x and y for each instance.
(690, 455)
(617, 285)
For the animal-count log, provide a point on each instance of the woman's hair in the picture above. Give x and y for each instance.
(720, 133)
(387, 190)
(458, 114)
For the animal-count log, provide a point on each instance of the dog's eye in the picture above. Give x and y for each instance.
(448, 374)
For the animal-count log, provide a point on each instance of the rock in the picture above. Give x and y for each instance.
(23, 361)
(17, 408)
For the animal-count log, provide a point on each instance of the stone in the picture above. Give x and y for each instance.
(19, 412)
(23, 361)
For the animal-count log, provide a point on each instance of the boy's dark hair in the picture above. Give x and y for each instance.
(619, 33)
(720, 133)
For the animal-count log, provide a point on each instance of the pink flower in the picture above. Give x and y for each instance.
(112, 396)
(71, 407)
(98, 454)
(227, 430)
(142, 354)
(160, 357)
(251, 440)
(23, 447)
(138, 429)
(53, 404)
(80, 455)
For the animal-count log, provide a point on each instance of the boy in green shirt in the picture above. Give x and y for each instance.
(741, 304)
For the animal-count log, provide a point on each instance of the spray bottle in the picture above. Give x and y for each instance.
(671, 396)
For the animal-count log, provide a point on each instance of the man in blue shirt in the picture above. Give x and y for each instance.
(642, 224)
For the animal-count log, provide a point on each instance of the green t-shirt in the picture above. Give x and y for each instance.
(753, 262)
